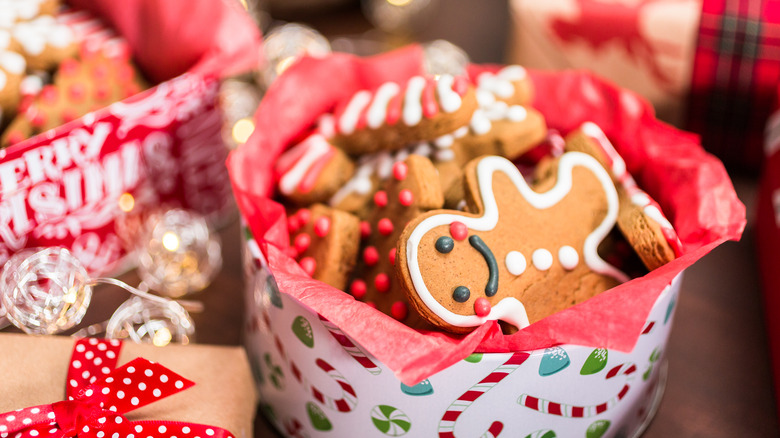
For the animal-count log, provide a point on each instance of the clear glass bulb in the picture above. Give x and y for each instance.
(442, 57)
(283, 45)
(45, 291)
(178, 254)
(151, 322)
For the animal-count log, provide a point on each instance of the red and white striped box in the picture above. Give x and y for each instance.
(162, 146)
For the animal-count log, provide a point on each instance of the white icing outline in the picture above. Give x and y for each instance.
(377, 112)
(510, 309)
(349, 119)
(412, 110)
(315, 147)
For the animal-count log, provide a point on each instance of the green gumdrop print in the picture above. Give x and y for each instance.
(653, 358)
(268, 411)
(597, 429)
(276, 376)
(318, 418)
(555, 359)
(273, 291)
(302, 330)
(390, 421)
(543, 433)
(474, 358)
(595, 362)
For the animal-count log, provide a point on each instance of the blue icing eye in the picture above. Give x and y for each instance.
(444, 244)
(461, 294)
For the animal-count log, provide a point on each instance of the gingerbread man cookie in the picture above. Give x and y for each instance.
(313, 170)
(395, 116)
(521, 254)
(413, 188)
(325, 243)
(640, 219)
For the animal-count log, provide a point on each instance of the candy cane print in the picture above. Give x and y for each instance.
(572, 411)
(450, 417)
(348, 398)
(350, 347)
(294, 429)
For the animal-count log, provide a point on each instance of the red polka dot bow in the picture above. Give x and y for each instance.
(97, 396)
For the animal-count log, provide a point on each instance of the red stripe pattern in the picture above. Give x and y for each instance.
(573, 411)
(350, 347)
(450, 417)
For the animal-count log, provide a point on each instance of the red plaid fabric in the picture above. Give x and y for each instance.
(735, 76)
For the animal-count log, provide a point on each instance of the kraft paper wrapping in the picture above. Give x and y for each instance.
(34, 369)
(691, 186)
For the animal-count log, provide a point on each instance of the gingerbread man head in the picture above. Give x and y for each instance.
(522, 255)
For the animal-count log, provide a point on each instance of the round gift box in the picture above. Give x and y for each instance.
(315, 381)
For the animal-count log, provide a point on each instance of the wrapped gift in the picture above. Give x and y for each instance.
(64, 386)
(708, 66)
(162, 146)
(328, 364)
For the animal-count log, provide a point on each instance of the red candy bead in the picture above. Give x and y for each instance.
(380, 198)
(365, 229)
(405, 197)
(399, 310)
(290, 251)
(302, 242)
(482, 307)
(49, 94)
(371, 304)
(308, 264)
(304, 215)
(382, 282)
(358, 289)
(400, 170)
(69, 115)
(293, 223)
(68, 67)
(370, 256)
(322, 226)
(77, 92)
(385, 226)
(459, 231)
(391, 256)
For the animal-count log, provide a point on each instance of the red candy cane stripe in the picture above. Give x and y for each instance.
(350, 347)
(648, 327)
(450, 417)
(637, 195)
(348, 399)
(572, 411)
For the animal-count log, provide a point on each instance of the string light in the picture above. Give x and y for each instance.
(285, 44)
(242, 130)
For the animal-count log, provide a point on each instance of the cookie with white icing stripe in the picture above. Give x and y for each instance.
(519, 254)
(640, 219)
(511, 85)
(325, 243)
(394, 116)
(312, 171)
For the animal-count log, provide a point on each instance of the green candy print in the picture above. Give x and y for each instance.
(390, 421)
(595, 362)
(302, 329)
(474, 358)
(268, 411)
(318, 418)
(276, 376)
(597, 429)
(653, 359)
(544, 433)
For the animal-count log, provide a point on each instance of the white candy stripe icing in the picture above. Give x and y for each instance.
(542, 259)
(500, 83)
(315, 147)
(510, 309)
(638, 196)
(377, 112)
(412, 110)
(349, 119)
(449, 100)
(3, 79)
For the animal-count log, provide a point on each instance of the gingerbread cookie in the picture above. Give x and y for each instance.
(325, 243)
(80, 86)
(412, 189)
(640, 219)
(510, 85)
(12, 71)
(43, 42)
(313, 170)
(394, 116)
(520, 255)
